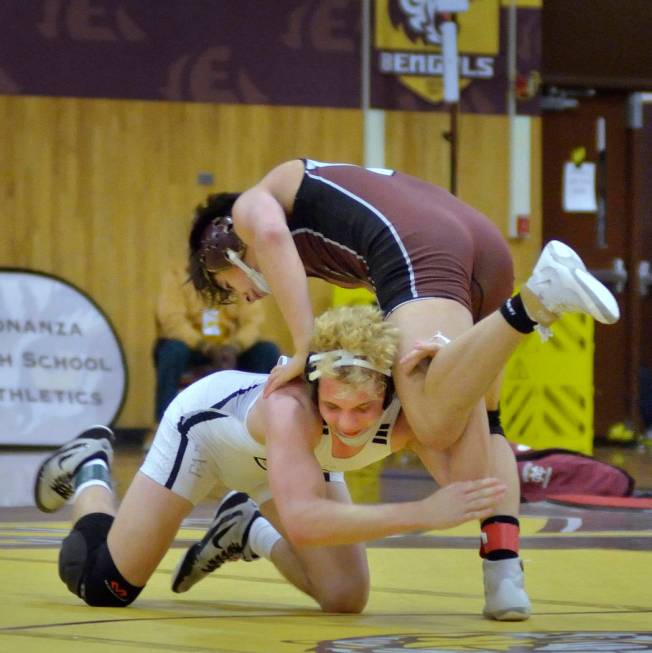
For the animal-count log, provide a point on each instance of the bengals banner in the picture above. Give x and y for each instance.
(290, 52)
(408, 54)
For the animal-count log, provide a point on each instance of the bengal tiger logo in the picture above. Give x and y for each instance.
(420, 19)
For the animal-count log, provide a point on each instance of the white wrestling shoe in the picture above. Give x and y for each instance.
(54, 480)
(562, 283)
(504, 592)
(227, 539)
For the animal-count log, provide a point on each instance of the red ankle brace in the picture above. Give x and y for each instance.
(499, 535)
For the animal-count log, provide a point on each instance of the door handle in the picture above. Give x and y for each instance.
(616, 275)
(644, 278)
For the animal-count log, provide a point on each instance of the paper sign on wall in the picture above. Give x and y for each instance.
(578, 194)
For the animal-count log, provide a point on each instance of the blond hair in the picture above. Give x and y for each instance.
(362, 331)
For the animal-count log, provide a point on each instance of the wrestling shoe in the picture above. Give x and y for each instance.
(504, 593)
(561, 282)
(227, 539)
(54, 480)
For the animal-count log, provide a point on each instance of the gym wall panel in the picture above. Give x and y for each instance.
(484, 180)
(415, 144)
(100, 192)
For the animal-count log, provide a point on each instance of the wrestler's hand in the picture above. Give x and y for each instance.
(282, 374)
(423, 349)
(463, 501)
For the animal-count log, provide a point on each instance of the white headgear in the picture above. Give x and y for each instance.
(342, 358)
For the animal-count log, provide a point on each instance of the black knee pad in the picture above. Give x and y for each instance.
(104, 585)
(72, 560)
(86, 566)
(78, 549)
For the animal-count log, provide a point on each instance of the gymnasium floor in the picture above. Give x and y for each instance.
(588, 572)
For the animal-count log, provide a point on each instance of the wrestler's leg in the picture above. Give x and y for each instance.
(492, 396)
(559, 283)
(144, 528)
(438, 400)
(505, 596)
(503, 463)
(475, 453)
(464, 370)
(336, 577)
(100, 573)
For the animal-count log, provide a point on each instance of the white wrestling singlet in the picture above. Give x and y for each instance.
(203, 439)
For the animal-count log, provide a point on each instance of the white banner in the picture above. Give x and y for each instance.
(62, 368)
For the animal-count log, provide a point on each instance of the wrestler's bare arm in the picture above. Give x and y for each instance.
(260, 221)
(310, 518)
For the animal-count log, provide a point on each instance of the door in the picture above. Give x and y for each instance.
(610, 238)
(642, 207)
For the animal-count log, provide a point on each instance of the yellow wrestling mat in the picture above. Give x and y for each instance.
(591, 590)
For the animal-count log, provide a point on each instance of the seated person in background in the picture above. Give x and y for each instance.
(192, 334)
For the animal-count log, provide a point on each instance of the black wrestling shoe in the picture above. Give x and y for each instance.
(227, 539)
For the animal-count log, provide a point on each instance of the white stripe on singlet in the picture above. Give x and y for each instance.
(388, 224)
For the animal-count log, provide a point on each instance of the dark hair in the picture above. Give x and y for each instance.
(219, 205)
